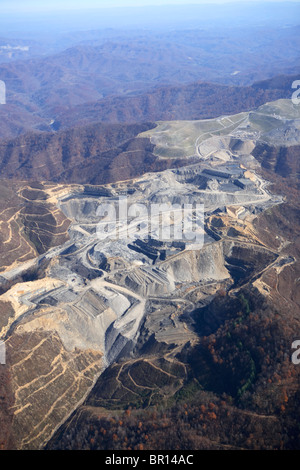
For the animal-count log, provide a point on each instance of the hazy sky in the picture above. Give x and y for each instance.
(37, 5)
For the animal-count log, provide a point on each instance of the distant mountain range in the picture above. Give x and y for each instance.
(115, 76)
(197, 100)
(189, 102)
(148, 343)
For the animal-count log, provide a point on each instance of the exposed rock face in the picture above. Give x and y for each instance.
(121, 301)
(203, 265)
(98, 301)
(31, 223)
(48, 382)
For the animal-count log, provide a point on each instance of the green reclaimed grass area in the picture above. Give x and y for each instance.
(180, 139)
(283, 108)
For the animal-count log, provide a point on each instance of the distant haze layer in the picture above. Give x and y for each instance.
(16, 18)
